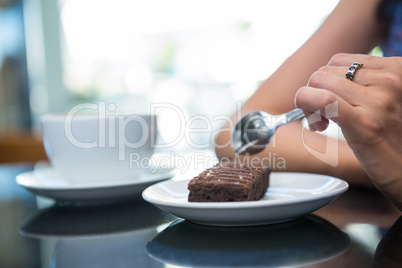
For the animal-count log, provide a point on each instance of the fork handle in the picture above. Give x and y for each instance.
(290, 116)
(294, 114)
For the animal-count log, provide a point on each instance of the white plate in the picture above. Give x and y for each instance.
(290, 195)
(47, 182)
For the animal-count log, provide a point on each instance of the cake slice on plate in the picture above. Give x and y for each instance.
(230, 181)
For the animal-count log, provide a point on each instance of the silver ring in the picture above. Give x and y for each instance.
(353, 69)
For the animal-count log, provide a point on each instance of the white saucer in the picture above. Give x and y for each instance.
(290, 195)
(47, 182)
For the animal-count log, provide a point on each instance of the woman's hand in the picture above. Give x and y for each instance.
(368, 110)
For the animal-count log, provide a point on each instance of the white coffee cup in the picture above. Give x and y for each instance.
(90, 148)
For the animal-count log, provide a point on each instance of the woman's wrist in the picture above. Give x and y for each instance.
(349, 168)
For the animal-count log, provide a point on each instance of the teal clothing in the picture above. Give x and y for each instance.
(392, 45)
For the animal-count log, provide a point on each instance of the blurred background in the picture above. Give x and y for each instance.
(203, 57)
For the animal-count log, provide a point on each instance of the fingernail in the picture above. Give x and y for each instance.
(311, 127)
(294, 101)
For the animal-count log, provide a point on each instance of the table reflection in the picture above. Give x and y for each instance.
(104, 236)
(135, 234)
(388, 253)
(300, 242)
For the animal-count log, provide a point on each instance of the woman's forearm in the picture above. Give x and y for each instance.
(296, 149)
(352, 28)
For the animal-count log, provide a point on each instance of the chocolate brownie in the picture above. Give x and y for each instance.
(230, 181)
